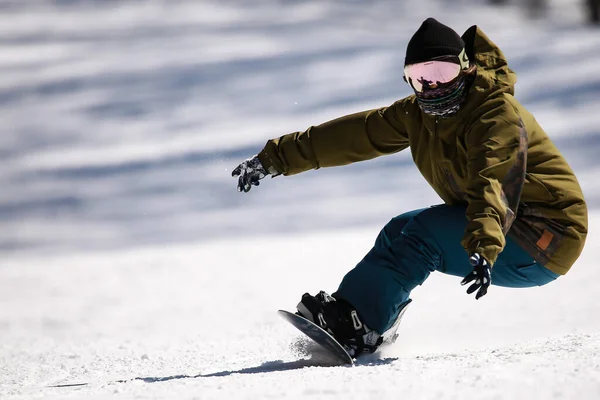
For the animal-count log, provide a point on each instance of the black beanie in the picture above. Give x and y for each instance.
(433, 39)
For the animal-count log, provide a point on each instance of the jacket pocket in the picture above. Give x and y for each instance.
(453, 184)
(536, 190)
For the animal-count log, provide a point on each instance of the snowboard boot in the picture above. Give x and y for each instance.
(341, 320)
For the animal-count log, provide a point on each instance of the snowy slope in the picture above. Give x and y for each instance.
(129, 264)
(189, 321)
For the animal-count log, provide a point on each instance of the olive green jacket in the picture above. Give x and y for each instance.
(492, 156)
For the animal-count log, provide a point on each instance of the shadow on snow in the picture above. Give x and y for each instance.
(267, 367)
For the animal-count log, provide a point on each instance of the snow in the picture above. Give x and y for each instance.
(131, 268)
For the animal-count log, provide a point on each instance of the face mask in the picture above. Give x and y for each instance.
(443, 101)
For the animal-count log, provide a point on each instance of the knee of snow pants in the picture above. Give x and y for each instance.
(413, 245)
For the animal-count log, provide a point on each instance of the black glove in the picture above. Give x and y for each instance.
(482, 275)
(249, 172)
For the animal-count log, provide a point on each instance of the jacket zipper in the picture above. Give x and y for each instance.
(434, 147)
(447, 174)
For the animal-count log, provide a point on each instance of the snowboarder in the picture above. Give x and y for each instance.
(506, 189)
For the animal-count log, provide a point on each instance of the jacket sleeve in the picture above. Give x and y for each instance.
(497, 161)
(356, 137)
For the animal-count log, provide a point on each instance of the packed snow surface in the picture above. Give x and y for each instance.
(131, 268)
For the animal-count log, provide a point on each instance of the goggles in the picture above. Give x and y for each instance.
(435, 73)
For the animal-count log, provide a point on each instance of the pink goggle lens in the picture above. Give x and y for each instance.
(431, 73)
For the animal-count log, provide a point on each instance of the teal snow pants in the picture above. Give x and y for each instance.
(413, 245)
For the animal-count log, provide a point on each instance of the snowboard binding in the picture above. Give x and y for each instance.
(338, 318)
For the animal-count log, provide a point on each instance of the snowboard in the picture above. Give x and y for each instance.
(320, 336)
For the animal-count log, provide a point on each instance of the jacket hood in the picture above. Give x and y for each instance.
(493, 73)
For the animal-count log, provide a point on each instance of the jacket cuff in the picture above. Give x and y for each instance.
(268, 163)
(490, 253)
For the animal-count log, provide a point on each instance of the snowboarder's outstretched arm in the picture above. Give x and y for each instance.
(356, 137)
